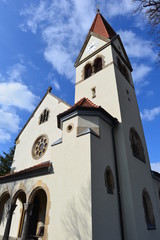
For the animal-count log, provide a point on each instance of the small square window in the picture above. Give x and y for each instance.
(93, 92)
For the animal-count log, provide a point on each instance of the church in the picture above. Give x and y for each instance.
(82, 172)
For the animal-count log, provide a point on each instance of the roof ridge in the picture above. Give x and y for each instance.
(82, 101)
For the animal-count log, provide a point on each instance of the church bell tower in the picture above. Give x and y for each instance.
(103, 75)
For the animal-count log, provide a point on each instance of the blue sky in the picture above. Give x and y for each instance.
(39, 42)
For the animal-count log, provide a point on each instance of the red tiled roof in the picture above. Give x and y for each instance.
(85, 102)
(101, 27)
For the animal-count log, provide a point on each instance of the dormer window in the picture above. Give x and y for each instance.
(87, 71)
(44, 116)
(97, 65)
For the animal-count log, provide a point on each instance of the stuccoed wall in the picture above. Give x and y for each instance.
(105, 208)
(104, 81)
(23, 154)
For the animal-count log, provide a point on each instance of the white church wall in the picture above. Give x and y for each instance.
(103, 81)
(23, 155)
(105, 208)
(137, 172)
(71, 186)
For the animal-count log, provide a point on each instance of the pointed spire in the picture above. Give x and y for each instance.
(101, 27)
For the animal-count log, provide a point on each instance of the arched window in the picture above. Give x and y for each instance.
(97, 65)
(136, 145)
(119, 64)
(148, 210)
(87, 71)
(126, 73)
(44, 116)
(123, 69)
(109, 180)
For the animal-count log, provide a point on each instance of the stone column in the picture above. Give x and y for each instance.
(27, 211)
(10, 210)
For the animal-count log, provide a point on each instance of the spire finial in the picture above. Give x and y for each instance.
(98, 8)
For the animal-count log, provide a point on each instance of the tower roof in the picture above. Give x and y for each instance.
(83, 105)
(101, 27)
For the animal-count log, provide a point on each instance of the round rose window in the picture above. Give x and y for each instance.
(40, 146)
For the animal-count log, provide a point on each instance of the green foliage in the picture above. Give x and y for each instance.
(6, 161)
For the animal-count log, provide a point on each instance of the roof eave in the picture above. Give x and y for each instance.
(79, 110)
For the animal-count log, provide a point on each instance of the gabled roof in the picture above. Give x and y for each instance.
(101, 27)
(47, 92)
(85, 104)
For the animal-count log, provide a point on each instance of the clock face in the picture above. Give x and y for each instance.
(91, 47)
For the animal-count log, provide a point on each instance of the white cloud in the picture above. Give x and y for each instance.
(116, 7)
(15, 94)
(155, 167)
(137, 47)
(35, 16)
(140, 72)
(56, 85)
(150, 114)
(4, 136)
(9, 123)
(15, 72)
(63, 29)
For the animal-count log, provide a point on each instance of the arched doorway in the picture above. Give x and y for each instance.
(4, 200)
(38, 212)
(18, 216)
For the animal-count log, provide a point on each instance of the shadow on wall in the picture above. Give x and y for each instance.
(77, 220)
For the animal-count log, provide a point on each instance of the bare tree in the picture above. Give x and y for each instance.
(151, 10)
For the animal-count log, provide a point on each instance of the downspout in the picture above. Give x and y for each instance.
(118, 185)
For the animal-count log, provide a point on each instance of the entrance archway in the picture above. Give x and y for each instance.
(3, 201)
(38, 212)
(18, 216)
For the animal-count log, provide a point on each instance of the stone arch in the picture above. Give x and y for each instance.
(97, 64)
(87, 70)
(148, 210)
(4, 198)
(37, 188)
(19, 199)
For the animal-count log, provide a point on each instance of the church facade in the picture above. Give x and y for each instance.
(82, 172)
